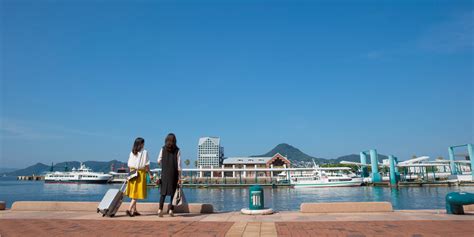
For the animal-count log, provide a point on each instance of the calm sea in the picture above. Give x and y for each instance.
(232, 199)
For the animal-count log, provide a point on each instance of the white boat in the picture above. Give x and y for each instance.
(119, 176)
(81, 175)
(323, 177)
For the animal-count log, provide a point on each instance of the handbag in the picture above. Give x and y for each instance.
(133, 174)
(178, 197)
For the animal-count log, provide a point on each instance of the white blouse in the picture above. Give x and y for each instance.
(160, 156)
(138, 161)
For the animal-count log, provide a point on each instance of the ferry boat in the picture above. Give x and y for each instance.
(81, 175)
(119, 176)
(323, 177)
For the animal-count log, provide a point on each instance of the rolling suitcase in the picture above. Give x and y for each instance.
(111, 201)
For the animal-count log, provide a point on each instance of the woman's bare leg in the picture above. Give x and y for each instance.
(133, 205)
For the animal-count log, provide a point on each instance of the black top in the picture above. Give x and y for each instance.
(169, 171)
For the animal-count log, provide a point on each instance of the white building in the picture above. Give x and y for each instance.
(276, 161)
(210, 152)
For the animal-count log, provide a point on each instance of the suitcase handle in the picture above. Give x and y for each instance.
(122, 189)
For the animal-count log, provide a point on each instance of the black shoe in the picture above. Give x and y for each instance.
(129, 213)
(137, 213)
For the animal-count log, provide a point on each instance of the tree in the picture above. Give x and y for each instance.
(187, 162)
(414, 156)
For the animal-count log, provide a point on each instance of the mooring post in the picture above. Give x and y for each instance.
(393, 175)
(451, 161)
(375, 166)
(470, 151)
(363, 161)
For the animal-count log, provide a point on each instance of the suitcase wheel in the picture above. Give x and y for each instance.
(112, 215)
(103, 215)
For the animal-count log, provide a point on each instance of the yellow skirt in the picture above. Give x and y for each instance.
(136, 188)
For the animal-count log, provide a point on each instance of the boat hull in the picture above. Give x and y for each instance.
(78, 181)
(354, 183)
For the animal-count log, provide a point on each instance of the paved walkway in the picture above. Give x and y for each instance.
(49, 227)
(377, 228)
(233, 224)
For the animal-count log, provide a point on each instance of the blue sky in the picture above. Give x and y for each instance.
(81, 79)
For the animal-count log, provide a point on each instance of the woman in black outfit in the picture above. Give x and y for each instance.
(170, 160)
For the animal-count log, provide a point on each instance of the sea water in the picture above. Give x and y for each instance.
(233, 199)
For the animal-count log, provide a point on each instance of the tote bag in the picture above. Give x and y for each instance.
(178, 198)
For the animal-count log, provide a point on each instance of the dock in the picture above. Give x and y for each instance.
(30, 177)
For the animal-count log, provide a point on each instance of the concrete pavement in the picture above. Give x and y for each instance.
(396, 223)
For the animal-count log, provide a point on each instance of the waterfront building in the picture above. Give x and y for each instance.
(210, 152)
(276, 161)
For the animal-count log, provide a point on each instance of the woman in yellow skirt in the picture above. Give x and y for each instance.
(136, 187)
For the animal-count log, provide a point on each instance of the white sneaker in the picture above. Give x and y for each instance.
(160, 213)
(171, 213)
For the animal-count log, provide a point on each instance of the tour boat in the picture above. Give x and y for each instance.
(119, 176)
(81, 175)
(323, 177)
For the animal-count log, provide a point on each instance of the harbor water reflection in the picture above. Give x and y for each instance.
(232, 199)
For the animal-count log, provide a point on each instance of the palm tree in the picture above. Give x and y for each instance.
(187, 162)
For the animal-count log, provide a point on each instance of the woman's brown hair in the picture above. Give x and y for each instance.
(138, 145)
(170, 142)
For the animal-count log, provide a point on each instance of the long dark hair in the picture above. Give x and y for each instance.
(170, 142)
(138, 145)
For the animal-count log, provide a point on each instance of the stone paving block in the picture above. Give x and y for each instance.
(92, 206)
(37, 227)
(346, 207)
(251, 234)
(377, 228)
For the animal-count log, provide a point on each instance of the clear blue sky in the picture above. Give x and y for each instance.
(81, 79)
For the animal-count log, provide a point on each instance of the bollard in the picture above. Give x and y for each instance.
(256, 202)
(256, 198)
(456, 200)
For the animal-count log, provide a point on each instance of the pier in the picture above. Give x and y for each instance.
(30, 177)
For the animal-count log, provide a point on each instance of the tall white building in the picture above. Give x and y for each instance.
(210, 152)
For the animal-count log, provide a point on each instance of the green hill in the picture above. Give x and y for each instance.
(294, 154)
(97, 166)
(35, 169)
(356, 158)
(297, 157)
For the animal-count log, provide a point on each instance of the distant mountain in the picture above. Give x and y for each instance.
(356, 158)
(7, 170)
(98, 166)
(299, 158)
(36, 169)
(294, 154)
